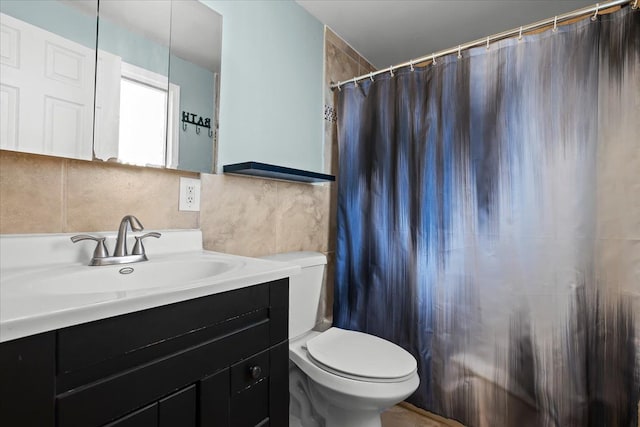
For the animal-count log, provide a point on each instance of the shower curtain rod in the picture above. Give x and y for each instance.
(499, 36)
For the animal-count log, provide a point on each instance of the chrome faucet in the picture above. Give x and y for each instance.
(121, 241)
(120, 253)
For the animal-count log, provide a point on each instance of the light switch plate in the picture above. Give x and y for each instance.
(189, 195)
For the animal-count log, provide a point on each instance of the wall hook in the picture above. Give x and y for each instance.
(196, 120)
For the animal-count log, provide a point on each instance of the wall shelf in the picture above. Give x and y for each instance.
(264, 170)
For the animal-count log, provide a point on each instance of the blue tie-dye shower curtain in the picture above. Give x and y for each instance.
(489, 223)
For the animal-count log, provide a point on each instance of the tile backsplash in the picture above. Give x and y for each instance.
(41, 194)
(244, 216)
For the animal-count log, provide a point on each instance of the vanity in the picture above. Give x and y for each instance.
(206, 347)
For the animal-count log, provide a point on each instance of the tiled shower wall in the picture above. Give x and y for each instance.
(341, 63)
(244, 216)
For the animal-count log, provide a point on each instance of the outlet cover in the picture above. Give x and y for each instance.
(189, 195)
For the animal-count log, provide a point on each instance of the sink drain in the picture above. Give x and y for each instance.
(126, 270)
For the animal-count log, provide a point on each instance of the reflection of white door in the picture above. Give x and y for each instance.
(46, 91)
(107, 120)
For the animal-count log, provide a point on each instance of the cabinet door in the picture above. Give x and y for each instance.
(214, 400)
(250, 407)
(178, 409)
(145, 417)
(27, 367)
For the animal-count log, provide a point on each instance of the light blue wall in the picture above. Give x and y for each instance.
(134, 48)
(271, 84)
(196, 96)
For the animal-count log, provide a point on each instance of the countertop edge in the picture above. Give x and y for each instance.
(23, 327)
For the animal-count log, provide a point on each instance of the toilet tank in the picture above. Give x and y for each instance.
(304, 289)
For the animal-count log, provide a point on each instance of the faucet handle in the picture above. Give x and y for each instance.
(101, 249)
(138, 248)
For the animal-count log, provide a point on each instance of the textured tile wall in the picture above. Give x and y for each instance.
(254, 217)
(40, 194)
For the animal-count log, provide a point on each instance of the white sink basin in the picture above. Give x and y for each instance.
(46, 284)
(165, 274)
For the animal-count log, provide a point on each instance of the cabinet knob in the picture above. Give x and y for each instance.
(255, 372)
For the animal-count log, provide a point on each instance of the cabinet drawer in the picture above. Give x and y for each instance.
(91, 343)
(249, 371)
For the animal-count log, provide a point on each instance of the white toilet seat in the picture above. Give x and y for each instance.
(361, 387)
(360, 356)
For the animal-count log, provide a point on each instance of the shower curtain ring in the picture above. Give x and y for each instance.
(391, 71)
(433, 59)
(459, 51)
(355, 82)
(371, 76)
(338, 86)
(520, 34)
(555, 24)
(595, 15)
(635, 5)
(411, 65)
(487, 42)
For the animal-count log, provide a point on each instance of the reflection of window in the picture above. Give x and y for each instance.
(144, 132)
(143, 124)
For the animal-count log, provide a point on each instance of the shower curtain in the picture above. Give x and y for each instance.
(489, 223)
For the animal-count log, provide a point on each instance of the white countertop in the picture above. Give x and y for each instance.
(28, 263)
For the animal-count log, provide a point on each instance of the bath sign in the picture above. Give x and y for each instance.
(195, 119)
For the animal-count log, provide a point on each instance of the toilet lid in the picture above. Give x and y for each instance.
(361, 356)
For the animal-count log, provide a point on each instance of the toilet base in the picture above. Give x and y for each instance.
(308, 406)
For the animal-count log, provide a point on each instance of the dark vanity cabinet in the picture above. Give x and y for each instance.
(219, 360)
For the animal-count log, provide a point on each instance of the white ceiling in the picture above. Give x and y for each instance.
(389, 32)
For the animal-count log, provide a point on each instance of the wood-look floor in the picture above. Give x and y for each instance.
(407, 415)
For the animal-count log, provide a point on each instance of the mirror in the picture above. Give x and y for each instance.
(157, 83)
(132, 81)
(196, 52)
(47, 71)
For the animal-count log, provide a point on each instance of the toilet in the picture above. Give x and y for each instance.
(338, 378)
